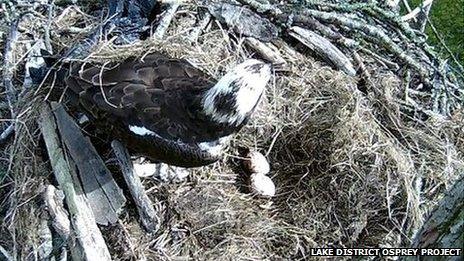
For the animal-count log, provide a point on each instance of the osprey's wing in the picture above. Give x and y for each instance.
(156, 93)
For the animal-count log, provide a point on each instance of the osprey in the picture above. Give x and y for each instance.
(166, 109)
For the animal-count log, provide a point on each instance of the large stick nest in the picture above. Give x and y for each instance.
(358, 161)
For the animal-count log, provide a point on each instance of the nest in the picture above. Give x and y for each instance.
(351, 167)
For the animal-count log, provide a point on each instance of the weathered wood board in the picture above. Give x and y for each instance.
(102, 192)
(90, 244)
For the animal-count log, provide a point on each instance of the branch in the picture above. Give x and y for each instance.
(413, 14)
(165, 20)
(144, 205)
(9, 67)
(6, 133)
(376, 35)
(324, 48)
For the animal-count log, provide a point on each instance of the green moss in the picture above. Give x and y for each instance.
(448, 18)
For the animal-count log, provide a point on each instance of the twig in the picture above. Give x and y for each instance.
(406, 5)
(442, 42)
(165, 20)
(423, 17)
(7, 132)
(413, 14)
(91, 243)
(5, 254)
(48, 44)
(145, 208)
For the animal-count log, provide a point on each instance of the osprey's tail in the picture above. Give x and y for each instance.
(51, 73)
(52, 70)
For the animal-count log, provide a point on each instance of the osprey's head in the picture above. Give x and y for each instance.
(236, 94)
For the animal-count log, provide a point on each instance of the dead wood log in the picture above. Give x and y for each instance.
(147, 213)
(53, 199)
(91, 244)
(445, 226)
(323, 48)
(103, 194)
(244, 21)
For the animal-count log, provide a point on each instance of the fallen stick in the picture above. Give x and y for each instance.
(267, 50)
(147, 213)
(324, 48)
(91, 244)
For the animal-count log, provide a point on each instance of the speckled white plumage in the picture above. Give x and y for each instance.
(251, 86)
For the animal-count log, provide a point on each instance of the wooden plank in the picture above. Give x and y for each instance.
(147, 213)
(90, 241)
(102, 192)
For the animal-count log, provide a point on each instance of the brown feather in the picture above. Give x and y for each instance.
(158, 93)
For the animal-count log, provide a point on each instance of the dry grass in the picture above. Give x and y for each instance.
(351, 169)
